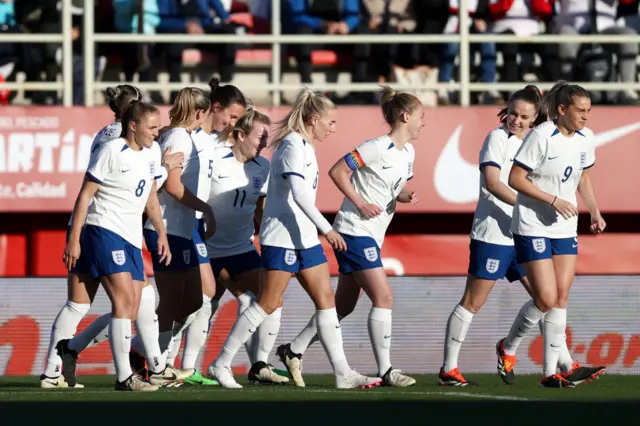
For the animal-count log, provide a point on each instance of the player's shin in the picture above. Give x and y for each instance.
(379, 324)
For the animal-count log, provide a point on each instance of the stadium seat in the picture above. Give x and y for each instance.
(13, 255)
(45, 254)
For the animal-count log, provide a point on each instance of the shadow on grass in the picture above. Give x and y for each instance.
(320, 412)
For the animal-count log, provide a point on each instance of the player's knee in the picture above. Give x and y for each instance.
(124, 306)
(545, 301)
(269, 306)
(384, 300)
(562, 301)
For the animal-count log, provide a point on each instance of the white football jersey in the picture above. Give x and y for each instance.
(235, 189)
(492, 220)
(179, 220)
(125, 178)
(108, 133)
(284, 224)
(382, 172)
(205, 145)
(555, 163)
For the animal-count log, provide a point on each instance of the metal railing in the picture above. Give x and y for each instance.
(67, 57)
(277, 39)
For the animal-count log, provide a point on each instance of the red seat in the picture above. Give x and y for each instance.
(13, 255)
(45, 253)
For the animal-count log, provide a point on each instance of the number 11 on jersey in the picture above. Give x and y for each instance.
(244, 195)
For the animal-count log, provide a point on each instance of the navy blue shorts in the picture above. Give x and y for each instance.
(183, 252)
(290, 260)
(362, 253)
(104, 253)
(529, 249)
(236, 264)
(494, 262)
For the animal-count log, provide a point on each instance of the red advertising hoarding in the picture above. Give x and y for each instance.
(44, 152)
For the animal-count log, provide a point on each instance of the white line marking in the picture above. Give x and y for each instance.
(427, 393)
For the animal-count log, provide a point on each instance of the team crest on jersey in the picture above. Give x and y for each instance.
(118, 257)
(202, 249)
(371, 254)
(539, 245)
(492, 265)
(583, 160)
(152, 168)
(257, 182)
(186, 256)
(289, 257)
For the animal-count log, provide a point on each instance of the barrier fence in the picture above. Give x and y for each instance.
(44, 152)
(277, 39)
(602, 327)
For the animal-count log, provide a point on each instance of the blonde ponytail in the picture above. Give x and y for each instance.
(307, 104)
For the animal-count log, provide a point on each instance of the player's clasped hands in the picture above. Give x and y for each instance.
(71, 254)
(336, 241)
(565, 208)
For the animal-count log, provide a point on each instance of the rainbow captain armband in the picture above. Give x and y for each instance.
(354, 160)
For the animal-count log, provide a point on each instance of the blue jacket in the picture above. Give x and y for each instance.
(172, 22)
(298, 14)
(6, 14)
(126, 16)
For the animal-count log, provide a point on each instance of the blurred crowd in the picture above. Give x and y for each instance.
(414, 64)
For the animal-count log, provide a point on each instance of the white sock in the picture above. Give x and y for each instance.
(179, 328)
(555, 322)
(267, 335)
(379, 325)
(120, 341)
(98, 331)
(64, 326)
(147, 328)
(331, 339)
(196, 335)
(457, 327)
(242, 330)
(174, 346)
(244, 301)
(565, 361)
(527, 318)
(304, 339)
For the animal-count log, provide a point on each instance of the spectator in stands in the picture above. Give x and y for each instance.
(431, 18)
(575, 17)
(388, 17)
(8, 51)
(39, 16)
(196, 17)
(480, 14)
(136, 56)
(524, 18)
(333, 17)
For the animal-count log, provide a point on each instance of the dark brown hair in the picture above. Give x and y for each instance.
(531, 95)
(225, 95)
(135, 113)
(562, 93)
(119, 97)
